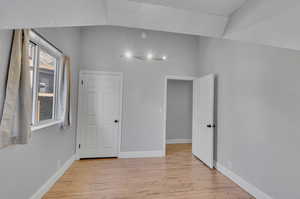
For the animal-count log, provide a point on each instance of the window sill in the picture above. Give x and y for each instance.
(42, 126)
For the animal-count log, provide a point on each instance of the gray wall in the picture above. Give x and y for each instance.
(54, 13)
(179, 109)
(101, 47)
(25, 168)
(258, 112)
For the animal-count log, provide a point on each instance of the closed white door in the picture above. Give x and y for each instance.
(203, 119)
(99, 114)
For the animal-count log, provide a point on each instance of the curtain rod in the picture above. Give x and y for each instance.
(50, 43)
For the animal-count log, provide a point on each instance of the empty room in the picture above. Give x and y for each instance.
(154, 99)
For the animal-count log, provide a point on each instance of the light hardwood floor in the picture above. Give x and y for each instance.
(177, 176)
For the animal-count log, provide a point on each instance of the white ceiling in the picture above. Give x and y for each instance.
(270, 22)
(216, 7)
(163, 18)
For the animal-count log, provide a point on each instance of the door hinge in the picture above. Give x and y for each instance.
(79, 145)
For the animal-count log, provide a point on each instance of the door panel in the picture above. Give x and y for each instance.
(203, 119)
(90, 141)
(100, 106)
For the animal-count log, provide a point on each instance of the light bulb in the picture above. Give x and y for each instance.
(128, 54)
(164, 57)
(149, 56)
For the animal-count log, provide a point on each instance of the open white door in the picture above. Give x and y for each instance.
(203, 119)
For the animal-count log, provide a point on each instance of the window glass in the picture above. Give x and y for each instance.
(46, 86)
(44, 61)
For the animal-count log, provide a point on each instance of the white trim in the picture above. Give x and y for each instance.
(251, 189)
(120, 114)
(93, 72)
(176, 77)
(170, 77)
(50, 182)
(41, 44)
(97, 72)
(141, 154)
(41, 126)
(179, 141)
(39, 40)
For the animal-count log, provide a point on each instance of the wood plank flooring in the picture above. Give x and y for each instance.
(177, 176)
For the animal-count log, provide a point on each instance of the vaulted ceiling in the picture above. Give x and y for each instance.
(260, 21)
(267, 22)
(215, 7)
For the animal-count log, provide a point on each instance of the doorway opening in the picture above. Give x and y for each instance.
(178, 112)
(179, 115)
(189, 117)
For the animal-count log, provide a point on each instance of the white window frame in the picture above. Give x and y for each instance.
(44, 45)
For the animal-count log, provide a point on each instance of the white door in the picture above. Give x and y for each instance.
(99, 114)
(203, 119)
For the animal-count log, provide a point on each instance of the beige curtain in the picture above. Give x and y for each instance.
(15, 124)
(64, 104)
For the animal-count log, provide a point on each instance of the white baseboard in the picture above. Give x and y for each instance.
(251, 189)
(47, 186)
(141, 154)
(178, 141)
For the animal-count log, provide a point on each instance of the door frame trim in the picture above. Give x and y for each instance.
(170, 77)
(78, 129)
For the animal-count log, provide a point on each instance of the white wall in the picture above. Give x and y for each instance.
(54, 13)
(143, 99)
(179, 110)
(258, 112)
(25, 168)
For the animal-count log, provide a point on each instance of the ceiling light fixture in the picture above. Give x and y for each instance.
(128, 54)
(149, 56)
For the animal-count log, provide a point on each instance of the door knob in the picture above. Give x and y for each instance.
(210, 126)
(116, 121)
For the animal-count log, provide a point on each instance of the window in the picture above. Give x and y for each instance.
(44, 62)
